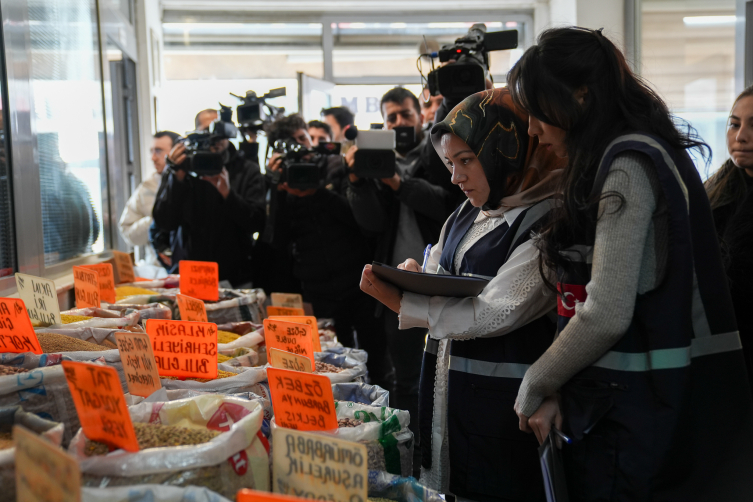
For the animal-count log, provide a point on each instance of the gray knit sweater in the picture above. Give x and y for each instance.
(629, 258)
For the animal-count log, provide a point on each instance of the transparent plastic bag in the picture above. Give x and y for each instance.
(400, 489)
(363, 393)
(353, 369)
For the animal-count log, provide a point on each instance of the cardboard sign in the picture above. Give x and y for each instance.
(106, 281)
(184, 348)
(289, 361)
(306, 319)
(44, 472)
(139, 365)
(124, 267)
(318, 466)
(289, 337)
(200, 279)
(86, 284)
(291, 300)
(40, 297)
(16, 332)
(302, 401)
(278, 311)
(191, 309)
(100, 404)
(249, 495)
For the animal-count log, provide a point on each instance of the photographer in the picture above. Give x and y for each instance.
(319, 132)
(328, 247)
(339, 119)
(216, 215)
(405, 213)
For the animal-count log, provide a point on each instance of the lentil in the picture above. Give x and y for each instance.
(326, 368)
(11, 370)
(53, 342)
(158, 436)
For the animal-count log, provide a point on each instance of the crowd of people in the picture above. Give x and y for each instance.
(615, 311)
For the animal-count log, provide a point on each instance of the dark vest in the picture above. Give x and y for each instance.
(490, 459)
(666, 413)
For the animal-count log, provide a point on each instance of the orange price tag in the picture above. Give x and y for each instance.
(86, 284)
(124, 266)
(184, 348)
(100, 404)
(289, 361)
(200, 279)
(306, 319)
(248, 495)
(106, 281)
(292, 300)
(302, 401)
(16, 332)
(289, 337)
(278, 311)
(138, 361)
(191, 309)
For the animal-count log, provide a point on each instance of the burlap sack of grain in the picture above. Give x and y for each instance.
(15, 415)
(237, 458)
(99, 336)
(151, 493)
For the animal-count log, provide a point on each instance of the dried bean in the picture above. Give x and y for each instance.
(158, 436)
(11, 370)
(348, 422)
(327, 368)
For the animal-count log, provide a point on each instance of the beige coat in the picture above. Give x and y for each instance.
(137, 216)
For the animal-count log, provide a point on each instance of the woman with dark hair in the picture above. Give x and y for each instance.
(471, 445)
(647, 359)
(730, 192)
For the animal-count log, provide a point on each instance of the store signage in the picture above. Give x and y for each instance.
(44, 472)
(139, 364)
(184, 348)
(191, 309)
(124, 267)
(200, 279)
(277, 311)
(306, 319)
(106, 281)
(289, 361)
(302, 401)
(287, 300)
(40, 297)
(290, 337)
(86, 285)
(16, 332)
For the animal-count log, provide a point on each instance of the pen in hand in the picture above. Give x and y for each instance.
(426, 258)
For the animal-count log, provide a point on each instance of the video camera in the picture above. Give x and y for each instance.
(375, 157)
(303, 168)
(255, 112)
(467, 75)
(201, 160)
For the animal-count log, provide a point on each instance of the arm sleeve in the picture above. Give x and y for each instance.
(366, 205)
(245, 202)
(516, 296)
(171, 207)
(605, 316)
(134, 226)
(425, 197)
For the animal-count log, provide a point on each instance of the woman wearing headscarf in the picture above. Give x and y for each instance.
(471, 444)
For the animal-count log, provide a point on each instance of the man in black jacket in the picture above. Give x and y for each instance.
(216, 215)
(406, 212)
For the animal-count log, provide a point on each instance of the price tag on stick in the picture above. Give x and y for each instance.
(16, 332)
(200, 279)
(248, 495)
(302, 401)
(287, 300)
(289, 337)
(40, 297)
(139, 365)
(86, 284)
(44, 472)
(100, 404)
(124, 267)
(307, 319)
(106, 281)
(289, 361)
(318, 466)
(184, 348)
(191, 309)
(278, 311)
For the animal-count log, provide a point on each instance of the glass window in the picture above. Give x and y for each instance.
(7, 234)
(688, 55)
(67, 111)
(363, 101)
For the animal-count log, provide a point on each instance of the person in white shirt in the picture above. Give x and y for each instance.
(469, 437)
(137, 215)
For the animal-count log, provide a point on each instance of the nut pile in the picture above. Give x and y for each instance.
(52, 343)
(220, 374)
(6, 440)
(157, 436)
(68, 319)
(11, 370)
(348, 422)
(327, 368)
(226, 336)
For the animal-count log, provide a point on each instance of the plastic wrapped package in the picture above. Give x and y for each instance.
(114, 319)
(357, 354)
(363, 393)
(15, 415)
(390, 486)
(353, 370)
(384, 431)
(151, 493)
(244, 357)
(237, 458)
(237, 305)
(146, 311)
(243, 381)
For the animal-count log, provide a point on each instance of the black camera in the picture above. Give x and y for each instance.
(467, 75)
(255, 112)
(303, 168)
(201, 160)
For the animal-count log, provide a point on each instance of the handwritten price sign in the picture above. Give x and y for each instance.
(16, 332)
(44, 473)
(305, 319)
(283, 311)
(124, 267)
(292, 300)
(191, 309)
(184, 348)
(290, 337)
(86, 284)
(288, 361)
(40, 297)
(200, 279)
(139, 364)
(302, 401)
(106, 281)
(100, 404)
(248, 495)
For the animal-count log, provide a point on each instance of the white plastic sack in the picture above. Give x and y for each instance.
(243, 381)
(151, 493)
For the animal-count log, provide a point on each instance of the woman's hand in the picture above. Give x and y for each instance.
(542, 420)
(385, 292)
(410, 265)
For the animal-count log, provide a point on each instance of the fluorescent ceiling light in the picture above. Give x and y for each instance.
(708, 20)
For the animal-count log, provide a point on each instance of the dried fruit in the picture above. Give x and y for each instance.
(226, 336)
(220, 374)
(158, 436)
(348, 422)
(6, 440)
(53, 342)
(327, 368)
(68, 319)
(11, 370)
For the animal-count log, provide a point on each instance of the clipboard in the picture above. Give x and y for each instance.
(553, 470)
(454, 286)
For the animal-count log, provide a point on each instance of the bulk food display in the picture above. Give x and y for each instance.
(206, 416)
